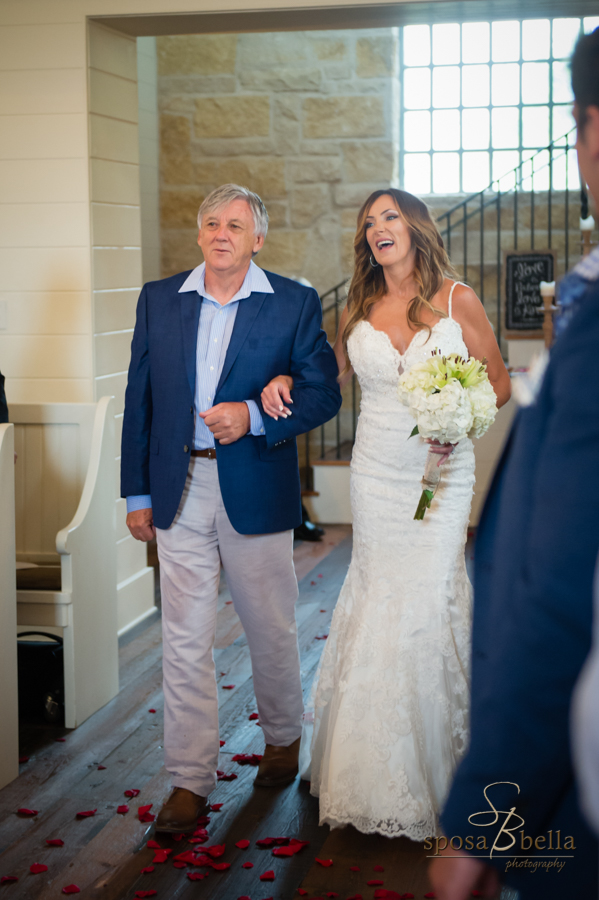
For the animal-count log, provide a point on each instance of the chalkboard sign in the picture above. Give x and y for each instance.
(523, 274)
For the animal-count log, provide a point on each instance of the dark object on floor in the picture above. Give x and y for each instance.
(278, 766)
(181, 811)
(307, 531)
(41, 677)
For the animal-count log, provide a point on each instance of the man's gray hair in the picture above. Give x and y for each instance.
(227, 193)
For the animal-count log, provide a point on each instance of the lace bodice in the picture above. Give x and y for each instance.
(391, 702)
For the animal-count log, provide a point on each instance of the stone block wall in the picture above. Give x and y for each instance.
(308, 120)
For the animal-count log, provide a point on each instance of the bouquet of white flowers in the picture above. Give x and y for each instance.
(451, 398)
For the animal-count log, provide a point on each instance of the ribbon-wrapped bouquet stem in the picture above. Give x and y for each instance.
(451, 399)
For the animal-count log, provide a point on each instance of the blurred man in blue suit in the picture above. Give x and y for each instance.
(535, 556)
(219, 484)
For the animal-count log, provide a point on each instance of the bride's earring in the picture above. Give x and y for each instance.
(373, 264)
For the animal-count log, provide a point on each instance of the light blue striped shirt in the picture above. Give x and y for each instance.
(214, 334)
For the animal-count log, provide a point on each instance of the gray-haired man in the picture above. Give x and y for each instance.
(218, 484)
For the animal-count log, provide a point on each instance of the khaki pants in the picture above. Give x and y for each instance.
(261, 577)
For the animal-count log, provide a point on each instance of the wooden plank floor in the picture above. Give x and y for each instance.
(104, 854)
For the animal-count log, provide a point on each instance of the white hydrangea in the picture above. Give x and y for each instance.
(484, 408)
(445, 416)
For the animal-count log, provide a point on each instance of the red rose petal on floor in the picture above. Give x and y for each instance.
(354, 868)
(323, 610)
(230, 777)
(222, 743)
(320, 576)
(188, 856)
(321, 637)
(407, 896)
(312, 582)
(378, 869)
(180, 865)
(153, 845)
(216, 850)
(144, 814)
(61, 741)
(161, 856)
(247, 759)
(244, 898)
(146, 870)
(215, 807)
(324, 862)
(302, 892)
(243, 845)
(221, 867)
(374, 883)
(382, 894)
(145, 893)
(55, 842)
(177, 837)
(355, 897)
(36, 868)
(71, 889)
(132, 792)
(203, 820)
(228, 687)
(247, 865)
(86, 813)
(152, 710)
(284, 851)
(332, 894)
(228, 602)
(122, 809)
(23, 811)
(147, 817)
(252, 718)
(23, 759)
(197, 876)
(268, 876)
(100, 768)
(8, 879)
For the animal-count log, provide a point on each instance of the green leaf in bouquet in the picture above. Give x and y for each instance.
(414, 431)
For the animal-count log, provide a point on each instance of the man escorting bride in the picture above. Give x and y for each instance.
(390, 706)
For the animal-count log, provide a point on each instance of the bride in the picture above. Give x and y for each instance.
(390, 705)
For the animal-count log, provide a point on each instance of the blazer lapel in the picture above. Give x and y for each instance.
(246, 315)
(191, 304)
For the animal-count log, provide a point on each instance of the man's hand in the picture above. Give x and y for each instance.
(141, 524)
(455, 878)
(227, 421)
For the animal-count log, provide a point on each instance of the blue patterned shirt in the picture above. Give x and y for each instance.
(214, 334)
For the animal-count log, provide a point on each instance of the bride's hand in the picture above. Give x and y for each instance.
(275, 394)
(443, 450)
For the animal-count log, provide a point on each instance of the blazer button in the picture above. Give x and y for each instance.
(185, 449)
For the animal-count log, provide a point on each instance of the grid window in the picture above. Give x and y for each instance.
(480, 98)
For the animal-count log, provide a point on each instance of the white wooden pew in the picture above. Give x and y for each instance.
(9, 730)
(66, 524)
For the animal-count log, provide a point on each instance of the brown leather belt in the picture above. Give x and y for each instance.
(208, 453)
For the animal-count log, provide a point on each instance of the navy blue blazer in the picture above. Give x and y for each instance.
(535, 556)
(273, 334)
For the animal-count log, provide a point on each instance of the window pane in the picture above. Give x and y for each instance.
(446, 44)
(563, 122)
(417, 131)
(417, 88)
(562, 86)
(505, 84)
(446, 173)
(416, 45)
(536, 38)
(565, 35)
(536, 164)
(506, 130)
(535, 126)
(446, 129)
(475, 129)
(504, 161)
(506, 41)
(535, 82)
(475, 42)
(475, 171)
(475, 86)
(446, 86)
(417, 173)
(590, 23)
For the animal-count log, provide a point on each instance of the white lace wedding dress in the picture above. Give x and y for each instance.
(389, 717)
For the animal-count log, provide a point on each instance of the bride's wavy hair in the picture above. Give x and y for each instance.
(431, 264)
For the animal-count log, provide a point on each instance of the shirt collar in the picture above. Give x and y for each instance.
(588, 267)
(255, 281)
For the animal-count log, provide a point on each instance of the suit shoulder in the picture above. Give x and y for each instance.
(170, 284)
(289, 287)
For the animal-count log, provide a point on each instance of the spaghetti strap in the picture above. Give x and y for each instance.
(449, 305)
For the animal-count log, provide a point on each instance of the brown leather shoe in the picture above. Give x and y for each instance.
(181, 811)
(278, 766)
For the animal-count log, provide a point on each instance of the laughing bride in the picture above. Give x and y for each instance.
(390, 705)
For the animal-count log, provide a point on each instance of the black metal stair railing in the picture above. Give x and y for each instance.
(530, 207)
